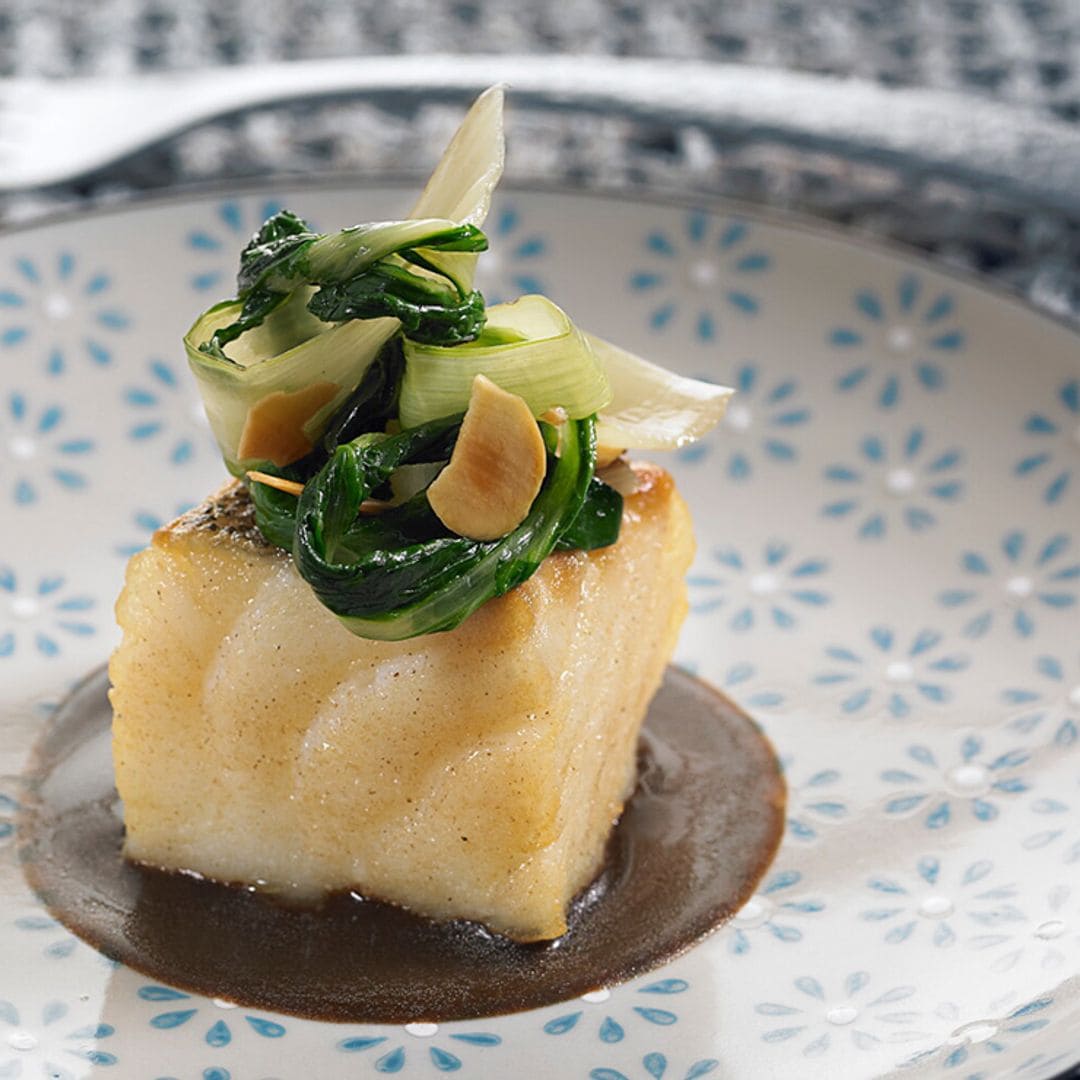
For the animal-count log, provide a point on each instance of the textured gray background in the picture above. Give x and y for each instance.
(1019, 51)
(1022, 54)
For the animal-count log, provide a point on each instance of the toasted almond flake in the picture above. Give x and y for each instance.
(496, 468)
(274, 428)
(605, 455)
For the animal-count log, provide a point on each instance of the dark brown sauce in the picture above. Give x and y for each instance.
(691, 846)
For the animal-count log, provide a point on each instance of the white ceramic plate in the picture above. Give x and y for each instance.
(888, 577)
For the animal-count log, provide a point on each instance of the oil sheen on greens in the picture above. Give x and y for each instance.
(400, 573)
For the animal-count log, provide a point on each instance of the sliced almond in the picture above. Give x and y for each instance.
(274, 428)
(496, 468)
(605, 455)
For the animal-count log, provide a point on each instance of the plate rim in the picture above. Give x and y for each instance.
(801, 221)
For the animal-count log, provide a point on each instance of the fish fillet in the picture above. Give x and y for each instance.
(469, 774)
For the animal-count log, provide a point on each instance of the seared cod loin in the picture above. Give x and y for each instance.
(471, 774)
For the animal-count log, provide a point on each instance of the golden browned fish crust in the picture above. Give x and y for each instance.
(474, 773)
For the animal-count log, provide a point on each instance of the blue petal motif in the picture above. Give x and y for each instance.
(786, 934)
(811, 986)
(655, 1065)
(772, 1008)
(562, 1024)
(785, 879)
(219, 1035)
(393, 1062)
(268, 1029)
(443, 1060)
(175, 1019)
(737, 266)
(611, 1031)
(902, 804)
(478, 1038)
(360, 1043)
(666, 986)
(782, 1034)
(97, 1057)
(160, 993)
(656, 1016)
(843, 336)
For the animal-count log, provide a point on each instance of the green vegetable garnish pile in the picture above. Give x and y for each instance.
(344, 367)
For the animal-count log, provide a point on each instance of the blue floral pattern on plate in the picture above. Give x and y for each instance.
(769, 589)
(8, 809)
(939, 903)
(1051, 699)
(656, 1066)
(815, 802)
(777, 911)
(819, 1019)
(167, 414)
(1022, 581)
(703, 272)
(970, 777)
(180, 1009)
(911, 479)
(893, 674)
(24, 1035)
(762, 424)
(42, 299)
(56, 942)
(987, 1038)
(1056, 434)
(42, 452)
(916, 329)
(612, 1028)
(40, 614)
(444, 1057)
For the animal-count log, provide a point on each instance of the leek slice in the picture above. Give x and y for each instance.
(461, 186)
(529, 348)
(653, 408)
(292, 349)
(338, 356)
(409, 480)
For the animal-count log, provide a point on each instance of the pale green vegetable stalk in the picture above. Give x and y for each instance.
(292, 349)
(652, 408)
(529, 348)
(461, 186)
(338, 355)
(409, 480)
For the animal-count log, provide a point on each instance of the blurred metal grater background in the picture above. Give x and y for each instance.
(1023, 55)
(1021, 51)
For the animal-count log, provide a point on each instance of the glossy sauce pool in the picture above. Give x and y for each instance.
(692, 844)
